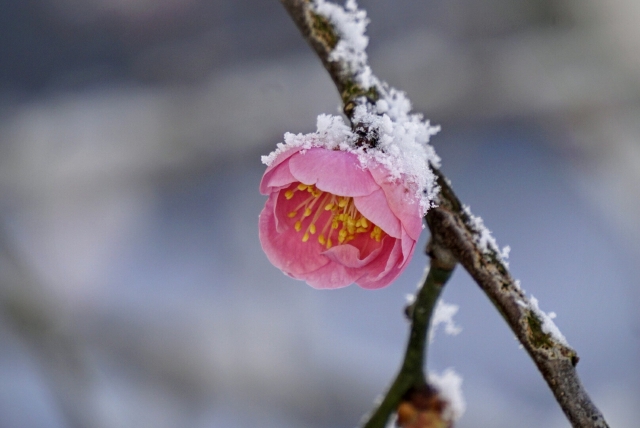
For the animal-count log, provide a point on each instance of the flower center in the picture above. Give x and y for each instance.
(344, 222)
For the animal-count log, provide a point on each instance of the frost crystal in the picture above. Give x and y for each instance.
(350, 24)
(548, 326)
(443, 314)
(402, 148)
(485, 240)
(449, 384)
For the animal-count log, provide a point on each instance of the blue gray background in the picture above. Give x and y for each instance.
(133, 289)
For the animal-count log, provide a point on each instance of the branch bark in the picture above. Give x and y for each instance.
(555, 360)
(452, 227)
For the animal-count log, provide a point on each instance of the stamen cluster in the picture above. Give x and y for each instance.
(343, 215)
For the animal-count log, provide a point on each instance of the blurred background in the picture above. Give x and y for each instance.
(133, 289)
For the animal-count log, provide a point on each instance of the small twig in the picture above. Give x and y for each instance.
(411, 373)
(452, 226)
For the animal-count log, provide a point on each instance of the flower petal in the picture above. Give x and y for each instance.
(332, 275)
(408, 245)
(276, 178)
(401, 200)
(390, 276)
(376, 209)
(349, 256)
(392, 270)
(332, 171)
(284, 248)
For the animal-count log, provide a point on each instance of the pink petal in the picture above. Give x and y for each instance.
(391, 272)
(365, 245)
(282, 157)
(402, 201)
(382, 282)
(332, 171)
(276, 178)
(376, 209)
(349, 256)
(408, 246)
(386, 259)
(331, 276)
(285, 249)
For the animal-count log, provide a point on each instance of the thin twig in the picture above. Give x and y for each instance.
(411, 373)
(451, 225)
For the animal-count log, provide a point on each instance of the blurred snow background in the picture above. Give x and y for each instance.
(133, 290)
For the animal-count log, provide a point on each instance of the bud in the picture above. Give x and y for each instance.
(423, 407)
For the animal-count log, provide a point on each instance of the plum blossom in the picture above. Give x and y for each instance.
(332, 221)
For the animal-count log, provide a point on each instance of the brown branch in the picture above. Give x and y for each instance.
(555, 361)
(451, 225)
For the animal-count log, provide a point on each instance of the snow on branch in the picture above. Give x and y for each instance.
(376, 111)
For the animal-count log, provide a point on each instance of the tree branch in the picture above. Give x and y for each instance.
(555, 360)
(453, 227)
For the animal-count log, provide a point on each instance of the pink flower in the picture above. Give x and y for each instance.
(331, 222)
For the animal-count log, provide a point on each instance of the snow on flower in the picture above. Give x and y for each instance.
(338, 213)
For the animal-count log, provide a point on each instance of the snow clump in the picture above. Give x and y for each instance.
(449, 385)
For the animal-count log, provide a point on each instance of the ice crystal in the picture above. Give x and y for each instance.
(443, 314)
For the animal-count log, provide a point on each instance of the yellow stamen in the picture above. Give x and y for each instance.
(376, 233)
(342, 216)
